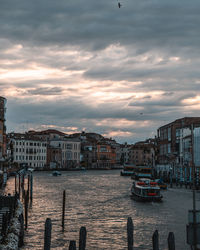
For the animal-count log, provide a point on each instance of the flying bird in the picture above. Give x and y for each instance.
(119, 5)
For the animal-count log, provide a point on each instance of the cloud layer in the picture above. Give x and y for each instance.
(119, 72)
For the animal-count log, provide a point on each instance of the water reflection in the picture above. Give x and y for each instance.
(100, 201)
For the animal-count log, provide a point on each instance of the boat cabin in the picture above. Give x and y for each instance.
(146, 188)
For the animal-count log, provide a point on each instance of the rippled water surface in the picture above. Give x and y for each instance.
(100, 200)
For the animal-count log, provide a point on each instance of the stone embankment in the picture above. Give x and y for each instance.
(14, 237)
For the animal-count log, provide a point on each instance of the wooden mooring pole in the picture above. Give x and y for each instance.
(47, 234)
(19, 185)
(31, 188)
(28, 185)
(82, 238)
(26, 198)
(63, 212)
(155, 240)
(130, 233)
(15, 183)
(171, 241)
(21, 234)
(72, 245)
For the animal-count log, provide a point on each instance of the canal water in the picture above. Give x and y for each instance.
(100, 201)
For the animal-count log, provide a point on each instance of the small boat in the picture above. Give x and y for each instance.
(146, 190)
(56, 173)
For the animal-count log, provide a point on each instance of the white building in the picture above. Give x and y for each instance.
(125, 153)
(29, 150)
(71, 148)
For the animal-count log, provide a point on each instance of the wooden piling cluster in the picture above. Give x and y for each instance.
(83, 234)
(23, 184)
(130, 238)
(24, 188)
(72, 243)
(155, 238)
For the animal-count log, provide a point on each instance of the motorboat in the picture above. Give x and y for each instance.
(56, 173)
(146, 190)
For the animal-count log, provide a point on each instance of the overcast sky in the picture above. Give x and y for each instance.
(76, 65)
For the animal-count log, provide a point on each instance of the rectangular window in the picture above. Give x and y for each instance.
(69, 146)
(169, 134)
(103, 149)
(169, 148)
(69, 155)
(178, 132)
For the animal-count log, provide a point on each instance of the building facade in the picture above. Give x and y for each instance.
(179, 149)
(176, 141)
(54, 157)
(125, 154)
(70, 151)
(142, 154)
(28, 150)
(106, 155)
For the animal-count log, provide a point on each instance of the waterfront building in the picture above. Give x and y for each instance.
(28, 150)
(142, 154)
(125, 153)
(70, 151)
(88, 154)
(106, 155)
(54, 157)
(178, 144)
(116, 146)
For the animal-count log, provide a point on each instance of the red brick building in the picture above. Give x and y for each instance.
(175, 141)
(106, 155)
